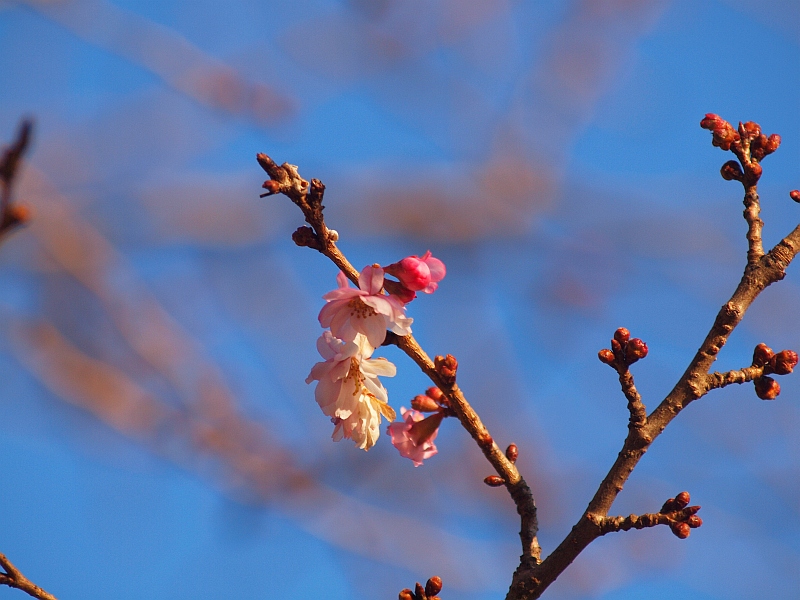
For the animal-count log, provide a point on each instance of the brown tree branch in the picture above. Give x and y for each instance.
(533, 575)
(761, 271)
(286, 180)
(13, 578)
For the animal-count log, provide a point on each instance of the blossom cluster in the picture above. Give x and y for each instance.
(357, 319)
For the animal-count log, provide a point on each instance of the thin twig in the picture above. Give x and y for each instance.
(286, 180)
(13, 578)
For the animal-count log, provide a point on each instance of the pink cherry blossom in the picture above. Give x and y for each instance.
(348, 388)
(366, 310)
(419, 273)
(414, 436)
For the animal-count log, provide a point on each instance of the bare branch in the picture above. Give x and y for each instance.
(13, 578)
(286, 180)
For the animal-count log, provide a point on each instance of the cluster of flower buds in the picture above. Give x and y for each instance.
(682, 517)
(781, 363)
(446, 367)
(624, 350)
(429, 592)
(748, 143)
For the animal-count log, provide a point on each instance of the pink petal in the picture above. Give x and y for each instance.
(374, 328)
(371, 280)
(437, 268)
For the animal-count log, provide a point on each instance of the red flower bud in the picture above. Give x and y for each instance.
(635, 349)
(436, 394)
(272, 187)
(731, 170)
(762, 355)
(406, 594)
(752, 129)
(767, 388)
(424, 404)
(494, 481)
(616, 347)
(512, 452)
(795, 195)
(773, 143)
(784, 362)
(434, 586)
(711, 121)
(694, 521)
(682, 500)
(622, 335)
(681, 530)
(446, 367)
(607, 356)
(419, 591)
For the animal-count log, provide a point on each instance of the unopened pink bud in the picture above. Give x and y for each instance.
(418, 274)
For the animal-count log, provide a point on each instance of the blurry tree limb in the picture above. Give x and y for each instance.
(180, 64)
(12, 215)
(13, 578)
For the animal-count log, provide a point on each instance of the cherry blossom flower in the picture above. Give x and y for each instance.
(350, 311)
(414, 436)
(418, 273)
(348, 388)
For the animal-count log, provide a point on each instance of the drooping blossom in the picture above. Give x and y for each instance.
(348, 388)
(350, 311)
(413, 437)
(418, 273)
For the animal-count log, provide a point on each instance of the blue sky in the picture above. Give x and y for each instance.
(548, 152)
